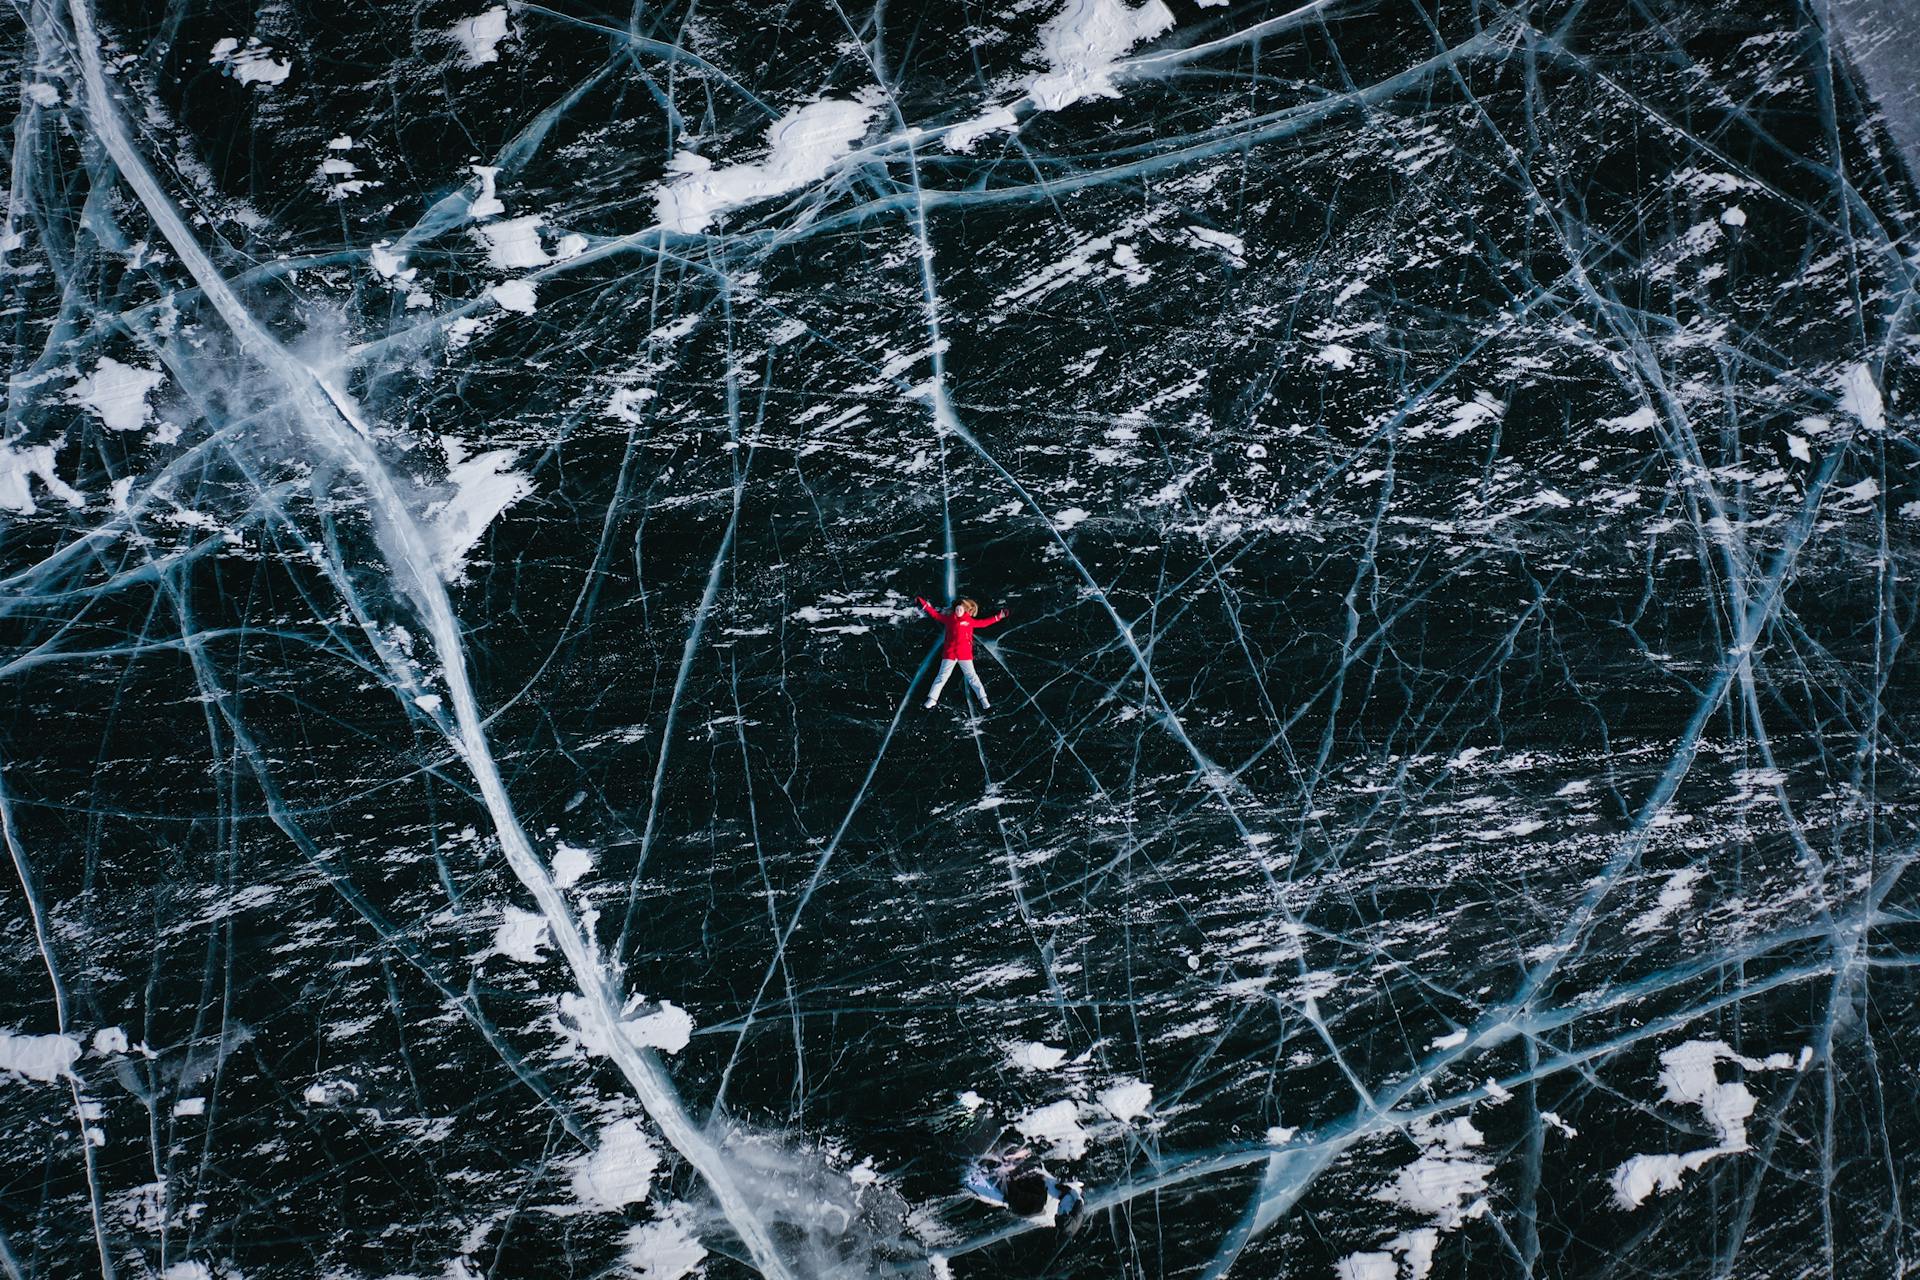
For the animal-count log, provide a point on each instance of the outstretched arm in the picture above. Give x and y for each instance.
(932, 612)
(987, 622)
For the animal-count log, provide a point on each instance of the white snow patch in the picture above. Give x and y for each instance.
(187, 1271)
(1126, 1099)
(569, 864)
(1233, 246)
(1452, 1040)
(619, 1172)
(1641, 419)
(521, 936)
(18, 465)
(190, 1107)
(1032, 1056)
(42, 1058)
(117, 393)
(514, 295)
(1553, 1121)
(1334, 356)
(480, 37)
(802, 146)
(1070, 517)
(1058, 1124)
(963, 137)
(1861, 398)
(1083, 45)
(1734, 216)
(514, 244)
(484, 486)
(667, 1028)
(1678, 892)
(666, 1248)
(1367, 1266)
(487, 203)
(251, 64)
(1690, 1077)
(1482, 409)
(970, 1100)
(109, 1040)
(42, 94)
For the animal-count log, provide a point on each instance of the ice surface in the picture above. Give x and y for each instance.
(1448, 805)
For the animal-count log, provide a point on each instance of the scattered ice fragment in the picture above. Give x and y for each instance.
(42, 1058)
(619, 1171)
(117, 393)
(521, 935)
(514, 295)
(1070, 517)
(1797, 446)
(109, 1040)
(1280, 1135)
(569, 864)
(252, 64)
(802, 146)
(1734, 216)
(1126, 1099)
(515, 243)
(480, 37)
(666, 1248)
(1233, 246)
(571, 245)
(428, 702)
(190, 1107)
(970, 1100)
(1058, 1124)
(1452, 1040)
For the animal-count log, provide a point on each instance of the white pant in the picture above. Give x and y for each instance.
(966, 667)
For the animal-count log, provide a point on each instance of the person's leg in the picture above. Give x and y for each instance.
(973, 680)
(939, 681)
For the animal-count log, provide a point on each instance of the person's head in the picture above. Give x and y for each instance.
(967, 607)
(1027, 1193)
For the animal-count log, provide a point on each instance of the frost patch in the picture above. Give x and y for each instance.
(514, 295)
(117, 393)
(1690, 1077)
(667, 1028)
(1678, 892)
(569, 864)
(802, 146)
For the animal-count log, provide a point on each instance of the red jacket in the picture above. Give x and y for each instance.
(959, 629)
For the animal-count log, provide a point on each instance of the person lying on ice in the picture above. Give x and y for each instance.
(958, 650)
(1017, 1182)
